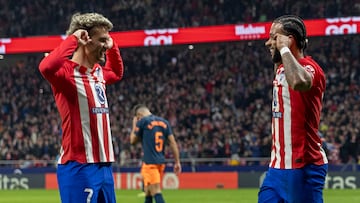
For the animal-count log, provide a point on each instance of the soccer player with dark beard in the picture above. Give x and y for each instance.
(298, 165)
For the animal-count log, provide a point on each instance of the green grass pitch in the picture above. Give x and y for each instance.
(174, 196)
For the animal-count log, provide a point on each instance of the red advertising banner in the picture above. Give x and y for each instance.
(208, 180)
(51, 181)
(198, 180)
(192, 35)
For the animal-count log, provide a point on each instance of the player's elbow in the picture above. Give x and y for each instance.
(120, 73)
(114, 78)
(48, 68)
(45, 70)
(117, 78)
(300, 84)
(43, 67)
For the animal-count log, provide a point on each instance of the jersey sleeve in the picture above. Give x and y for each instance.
(168, 130)
(50, 66)
(316, 73)
(139, 129)
(114, 67)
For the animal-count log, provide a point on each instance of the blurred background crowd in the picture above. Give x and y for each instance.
(217, 97)
(45, 17)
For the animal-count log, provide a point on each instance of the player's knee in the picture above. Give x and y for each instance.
(154, 188)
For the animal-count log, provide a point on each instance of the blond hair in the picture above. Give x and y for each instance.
(88, 21)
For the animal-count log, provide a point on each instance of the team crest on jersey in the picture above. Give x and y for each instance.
(100, 93)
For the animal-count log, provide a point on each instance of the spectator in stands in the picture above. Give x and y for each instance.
(44, 17)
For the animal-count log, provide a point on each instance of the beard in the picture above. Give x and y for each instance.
(277, 56)
(101, 56)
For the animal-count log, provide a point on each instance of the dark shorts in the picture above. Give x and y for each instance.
(87, 183)
(294, 185)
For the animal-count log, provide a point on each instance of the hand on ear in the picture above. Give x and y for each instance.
(109, 43)
(82, 36)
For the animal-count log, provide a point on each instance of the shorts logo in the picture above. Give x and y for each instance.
(100, 93)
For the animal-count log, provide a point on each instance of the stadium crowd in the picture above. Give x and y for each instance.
(46, 17)
(216, 96)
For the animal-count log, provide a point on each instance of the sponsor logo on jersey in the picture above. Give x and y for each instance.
(100, 110)
(276, 114)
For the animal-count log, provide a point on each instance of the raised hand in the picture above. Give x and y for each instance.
(109, 43)
(82, 36)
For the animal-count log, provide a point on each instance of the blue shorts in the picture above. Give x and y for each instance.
(293, 185)
(86, 183)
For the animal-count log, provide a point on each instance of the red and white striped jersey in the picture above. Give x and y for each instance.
(295, 120)
(82, 104)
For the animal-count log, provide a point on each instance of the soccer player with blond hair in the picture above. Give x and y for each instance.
(78, 82)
